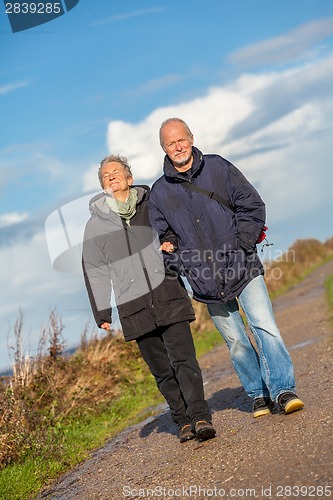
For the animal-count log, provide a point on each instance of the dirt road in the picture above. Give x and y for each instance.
(271, 457)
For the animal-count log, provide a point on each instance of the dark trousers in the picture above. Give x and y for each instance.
(170, 354)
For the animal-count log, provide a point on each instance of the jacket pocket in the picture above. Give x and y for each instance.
(201, 276)
(235, 270)
(170, 289)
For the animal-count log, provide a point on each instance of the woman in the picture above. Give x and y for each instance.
(154, 307)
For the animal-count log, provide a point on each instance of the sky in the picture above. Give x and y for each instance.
(253, 79)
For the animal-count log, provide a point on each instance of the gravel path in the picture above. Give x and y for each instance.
(275, 456)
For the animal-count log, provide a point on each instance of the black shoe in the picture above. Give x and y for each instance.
(204, 430)
(262, 406)
(186, 433)
(289, 402)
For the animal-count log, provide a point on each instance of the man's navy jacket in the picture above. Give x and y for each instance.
(215, 245)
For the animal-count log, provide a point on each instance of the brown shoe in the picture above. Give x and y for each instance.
(186, 433)
(204, 430)
(262, 406)
(289, 402)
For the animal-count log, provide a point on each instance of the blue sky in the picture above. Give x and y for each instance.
(253, 79)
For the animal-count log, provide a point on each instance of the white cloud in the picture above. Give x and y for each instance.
(156, 85)
(12, 218)
(286, 47)
(90, 179)
(37, 162)
(45, 172)
(27, 267)
(276, 127)
(30, 283)
(129, 15)
(5, 89)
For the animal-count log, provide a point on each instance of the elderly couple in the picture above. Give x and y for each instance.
(208, 219)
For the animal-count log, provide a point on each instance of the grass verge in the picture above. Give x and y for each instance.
(300, 277)
(78, 436)
(329, 291)
(75, 439)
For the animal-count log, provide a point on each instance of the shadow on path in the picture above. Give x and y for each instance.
(229, 398)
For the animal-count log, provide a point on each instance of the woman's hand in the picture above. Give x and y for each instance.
(167, 247)
(106, 326)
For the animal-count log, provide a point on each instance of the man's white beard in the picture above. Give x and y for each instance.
(184, 162)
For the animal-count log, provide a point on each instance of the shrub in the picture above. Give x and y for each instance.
(52, 388)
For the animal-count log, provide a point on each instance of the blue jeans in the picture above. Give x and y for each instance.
(269, 373)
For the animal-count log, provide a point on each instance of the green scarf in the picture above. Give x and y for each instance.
(126, 209)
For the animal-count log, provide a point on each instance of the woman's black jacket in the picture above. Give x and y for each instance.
(127, 258)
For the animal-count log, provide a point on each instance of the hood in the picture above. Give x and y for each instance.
(172, 174)
(99, 207)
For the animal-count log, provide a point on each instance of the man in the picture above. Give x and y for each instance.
(154, 307)
(218, 216)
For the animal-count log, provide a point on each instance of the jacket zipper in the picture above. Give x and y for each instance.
(152, 305)
(222, 293)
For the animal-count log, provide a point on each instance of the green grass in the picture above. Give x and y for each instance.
(205, 342)
(75, 438)
(329, 291)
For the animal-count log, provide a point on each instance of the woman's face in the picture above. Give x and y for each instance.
(115, 179)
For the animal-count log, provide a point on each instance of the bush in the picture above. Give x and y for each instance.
(302, 257)
(54, 388)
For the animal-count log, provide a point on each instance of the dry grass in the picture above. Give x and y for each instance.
(45, 391)
(293, 265)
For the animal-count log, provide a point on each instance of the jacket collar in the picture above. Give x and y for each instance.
(172, 174)
(99, 207)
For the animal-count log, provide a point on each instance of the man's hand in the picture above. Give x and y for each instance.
(167, 247)
(106, 326)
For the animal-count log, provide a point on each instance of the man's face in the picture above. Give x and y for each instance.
(177, 144)
(115, 178)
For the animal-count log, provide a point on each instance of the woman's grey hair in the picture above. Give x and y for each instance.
(169, 120)
(116, 158)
